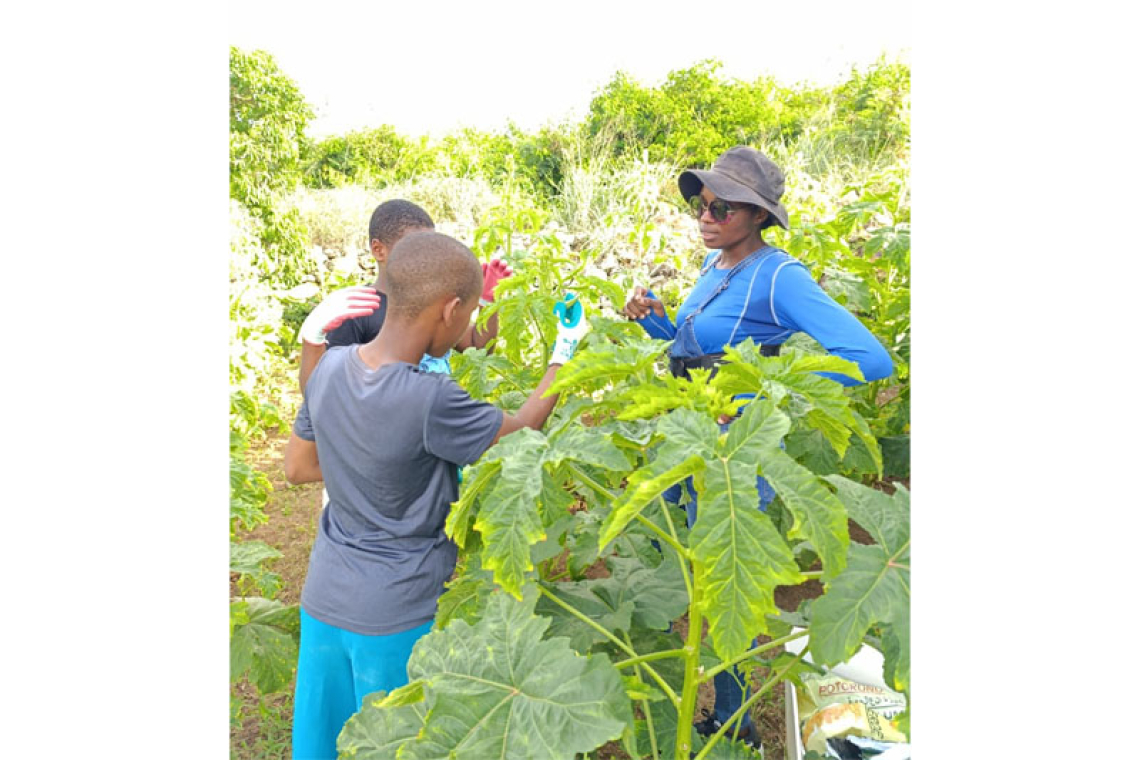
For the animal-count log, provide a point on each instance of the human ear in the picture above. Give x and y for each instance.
(450, 307)
(379, 251)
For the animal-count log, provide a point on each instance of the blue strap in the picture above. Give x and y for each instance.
(720, 288)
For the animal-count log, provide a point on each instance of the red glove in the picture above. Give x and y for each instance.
(492, 274)
(347, 303)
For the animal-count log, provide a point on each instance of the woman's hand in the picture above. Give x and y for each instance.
(640, 304)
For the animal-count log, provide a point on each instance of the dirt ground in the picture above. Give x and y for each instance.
(291, 529)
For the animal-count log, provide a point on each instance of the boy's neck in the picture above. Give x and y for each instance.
(397, 341)
(381, 281)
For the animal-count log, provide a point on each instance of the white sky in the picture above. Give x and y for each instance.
(430, 67)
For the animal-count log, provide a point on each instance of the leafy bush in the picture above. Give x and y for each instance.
(696, 114)
(371, 158)
(268, 116)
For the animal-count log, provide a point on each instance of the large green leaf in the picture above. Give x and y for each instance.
(262, 642)
(885, 517)
(875, 587)
(248, 558)
(818, 516)
(376, 732)
(689, 439)
(509, 519)
(586, 445)
(739, 557)
(599, 365)
(644, 486)
(812, 450)
(475, 482)
(478, 372)
(658, 593)
(828, 406)
(499, 690)
(590, 598)
(651, 596)
(761, 426)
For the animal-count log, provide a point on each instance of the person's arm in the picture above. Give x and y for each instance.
(648, 311)
(333, 311)
(534, 411)
(480, 338)
(301, 464)
(460, 429)
(311, 353)
(799, 303)
(572, 326)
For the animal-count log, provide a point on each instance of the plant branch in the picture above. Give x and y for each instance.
(663, 536)
(650, 657)
(673, 532)
(744, 708)
(613, 639)
(752, 652)
(645, 709)
(603, 491)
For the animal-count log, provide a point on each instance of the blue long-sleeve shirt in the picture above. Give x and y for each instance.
(768, 300)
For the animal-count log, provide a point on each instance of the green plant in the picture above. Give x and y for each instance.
(625, 436)
(268, 116)
(263, 642)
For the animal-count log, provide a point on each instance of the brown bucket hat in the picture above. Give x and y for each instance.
(740, 174)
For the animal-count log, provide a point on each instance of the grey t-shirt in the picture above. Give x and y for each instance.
(388, 441)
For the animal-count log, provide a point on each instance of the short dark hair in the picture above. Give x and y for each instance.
(424, 266)
(393, 218)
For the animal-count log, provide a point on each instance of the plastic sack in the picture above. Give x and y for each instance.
(832, 707)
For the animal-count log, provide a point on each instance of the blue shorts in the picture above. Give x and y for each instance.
(336, 669)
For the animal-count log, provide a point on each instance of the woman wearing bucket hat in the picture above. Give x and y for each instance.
(748, 289)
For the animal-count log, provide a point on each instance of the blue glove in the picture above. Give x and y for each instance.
(572, 325)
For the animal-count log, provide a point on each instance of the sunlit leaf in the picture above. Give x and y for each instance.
(497, 689)
(875, 586)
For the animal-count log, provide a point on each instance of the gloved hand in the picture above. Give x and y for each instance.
(572, 325)
(357, 301)
(492, 273)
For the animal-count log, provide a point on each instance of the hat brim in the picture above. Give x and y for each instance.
(691, 181)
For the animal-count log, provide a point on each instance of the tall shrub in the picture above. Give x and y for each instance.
(268, 116)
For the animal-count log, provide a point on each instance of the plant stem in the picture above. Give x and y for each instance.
(744, 708)
(649, 657)
(614, 639)
(664, 536)
(692, 678)
(677, 541)
(601, 490)
(645, 709)
(809, 574)
(757, 650)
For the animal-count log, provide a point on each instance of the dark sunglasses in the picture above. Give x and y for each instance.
(720, 210)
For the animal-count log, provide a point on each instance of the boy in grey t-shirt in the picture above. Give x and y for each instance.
(386, 437)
